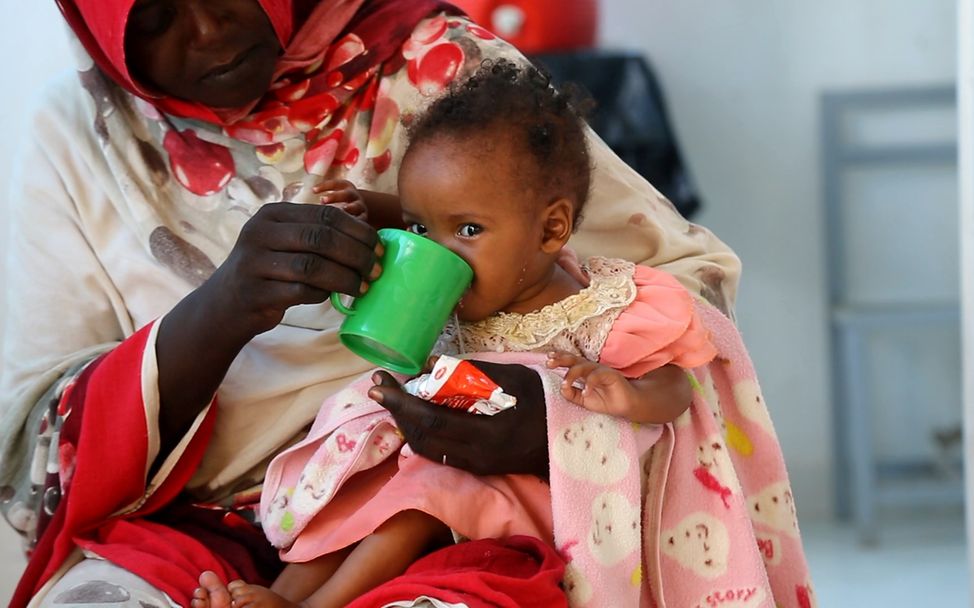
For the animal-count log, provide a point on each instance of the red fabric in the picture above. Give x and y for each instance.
(166, 558)
(516, 572)
(381, 25)
(100, 25)
(104, 21)
(105, 418)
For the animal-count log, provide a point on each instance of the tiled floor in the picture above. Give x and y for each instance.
(920, 561)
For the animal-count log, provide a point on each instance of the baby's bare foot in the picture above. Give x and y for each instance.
(211, 593)
(201, 598)
(255, 596)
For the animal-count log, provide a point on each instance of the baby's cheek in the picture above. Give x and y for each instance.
(469, 308)
(480, 302)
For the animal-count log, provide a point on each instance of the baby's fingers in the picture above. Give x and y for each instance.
(354, 209)
(562, 359)
(601, 378)
(577, 374)
(333, 184)
(340, 196)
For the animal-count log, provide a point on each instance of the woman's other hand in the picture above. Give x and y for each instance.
(513, 441)
(568, 260)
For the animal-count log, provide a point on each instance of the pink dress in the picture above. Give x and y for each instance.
(352, 472)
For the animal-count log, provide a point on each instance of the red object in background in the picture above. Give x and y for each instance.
(537, 26)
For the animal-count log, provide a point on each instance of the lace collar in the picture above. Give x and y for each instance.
(611, 288)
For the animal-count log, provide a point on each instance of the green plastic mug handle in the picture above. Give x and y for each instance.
(336, 302)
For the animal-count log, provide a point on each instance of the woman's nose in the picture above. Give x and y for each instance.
(203, 22)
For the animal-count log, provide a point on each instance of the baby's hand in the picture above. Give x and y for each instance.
(344, 195)
(593, 386)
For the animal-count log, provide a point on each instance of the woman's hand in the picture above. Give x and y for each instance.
(290, 254)
(513, 441)
(287, 254)
(568, 260)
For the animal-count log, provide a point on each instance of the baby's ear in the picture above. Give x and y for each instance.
(558, 223)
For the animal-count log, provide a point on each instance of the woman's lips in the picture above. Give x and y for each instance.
(228, 69)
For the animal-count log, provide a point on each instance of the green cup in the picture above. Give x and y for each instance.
(397, 321)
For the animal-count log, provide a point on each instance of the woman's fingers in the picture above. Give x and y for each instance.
(291, 254)
(514, 441)
(568, 260)
(314, 240)
(312, 270)
(428, 428)
(421, 420)
(322, 215)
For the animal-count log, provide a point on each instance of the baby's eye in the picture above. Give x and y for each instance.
(416, 229)
(470, 230)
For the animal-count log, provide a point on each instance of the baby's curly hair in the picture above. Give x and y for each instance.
(545, 121)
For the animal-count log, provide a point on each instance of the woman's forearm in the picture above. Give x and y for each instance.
(194, 350)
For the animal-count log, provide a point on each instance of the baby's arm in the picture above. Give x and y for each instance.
(379, 209)
(657, 397)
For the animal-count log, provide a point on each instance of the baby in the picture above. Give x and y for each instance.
(498, 171)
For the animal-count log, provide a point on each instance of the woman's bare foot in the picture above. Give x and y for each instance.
(211, 593)
(255, 596)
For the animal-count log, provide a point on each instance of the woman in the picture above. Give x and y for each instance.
(166, 332)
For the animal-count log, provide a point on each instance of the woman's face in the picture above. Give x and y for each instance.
(470, 197)
(220, 53)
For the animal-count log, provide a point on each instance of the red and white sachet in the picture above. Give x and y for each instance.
(459, 384)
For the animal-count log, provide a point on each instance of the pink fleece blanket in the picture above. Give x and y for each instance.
(711, 502)
(704, 517)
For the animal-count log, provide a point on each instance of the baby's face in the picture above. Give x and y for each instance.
(467, 196)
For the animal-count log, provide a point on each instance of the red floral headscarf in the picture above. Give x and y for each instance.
(381, 25)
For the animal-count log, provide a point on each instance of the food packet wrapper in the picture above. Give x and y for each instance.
(459, 384)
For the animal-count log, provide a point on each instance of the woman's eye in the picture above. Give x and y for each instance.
(151, 18)
(469, 230)
(416, 228)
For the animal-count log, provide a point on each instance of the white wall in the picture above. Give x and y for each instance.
(742, 80)
(34, 49)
